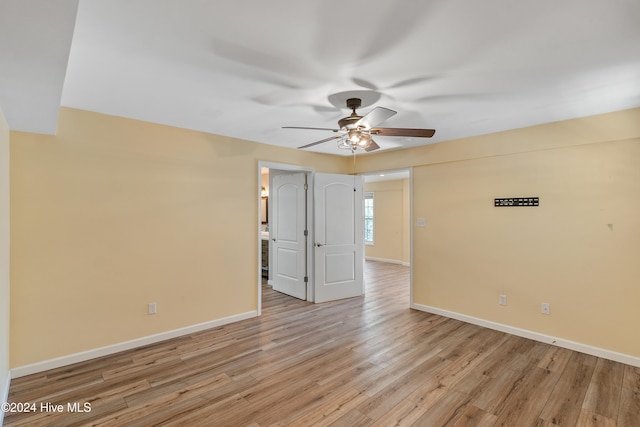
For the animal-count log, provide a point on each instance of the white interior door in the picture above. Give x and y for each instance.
(288, 240)
(339, 239)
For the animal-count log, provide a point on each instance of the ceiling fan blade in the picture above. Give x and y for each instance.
(364, 83)
(301, 127)
(372, 146)
(411, 82)
(324, 109)
(375, 116)
(411, 133)
(320, 142)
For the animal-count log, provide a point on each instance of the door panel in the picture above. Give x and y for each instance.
(288, 241)
(338, 230)
(340, 267)
(339, 248)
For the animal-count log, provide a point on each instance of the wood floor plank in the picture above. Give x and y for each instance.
(446, 411)
(524, 406)
(223, 413)
(404, 413)
(352, 418)
(490, 393)
(502, 358)
(629, 408)
(177, 411)
(564, 404)
(603, 394)
(631, 379)
(475, 417)
(147, 403)
(383, 377)
(555, 359)
(590, 419)
(629, 414)
(399, 387)
(329, 410)
(356, 362)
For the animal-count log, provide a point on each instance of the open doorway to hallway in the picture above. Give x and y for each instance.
(388, 222)
(380, 275)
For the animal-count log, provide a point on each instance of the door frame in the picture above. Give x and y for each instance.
(309, 253)
(411, 223)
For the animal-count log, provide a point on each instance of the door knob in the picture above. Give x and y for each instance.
(318, 245)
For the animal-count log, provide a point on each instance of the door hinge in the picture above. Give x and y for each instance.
(306, 279)
(306, 187)
(306, 233)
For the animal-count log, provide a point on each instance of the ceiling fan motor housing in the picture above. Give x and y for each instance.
(349, 121)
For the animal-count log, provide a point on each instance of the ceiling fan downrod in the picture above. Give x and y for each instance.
(349, 121)
(354, 104)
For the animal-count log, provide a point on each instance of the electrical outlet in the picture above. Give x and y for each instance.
(545, 308)
(152, 308)
(503, 299)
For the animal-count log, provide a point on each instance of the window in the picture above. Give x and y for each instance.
(368, 218)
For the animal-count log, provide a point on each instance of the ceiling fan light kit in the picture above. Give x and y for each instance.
(355, 139)
(356, 131)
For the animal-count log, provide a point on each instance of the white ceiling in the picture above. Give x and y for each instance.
(245, 68)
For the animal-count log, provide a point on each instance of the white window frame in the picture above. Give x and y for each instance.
(369, 195)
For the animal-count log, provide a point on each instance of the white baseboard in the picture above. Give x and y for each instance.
(390, 261)
(536, 336)
(5, 395)
(70, 359)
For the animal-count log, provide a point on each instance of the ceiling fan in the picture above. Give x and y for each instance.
(356, 131)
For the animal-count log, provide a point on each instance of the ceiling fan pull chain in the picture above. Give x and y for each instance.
(353, 150)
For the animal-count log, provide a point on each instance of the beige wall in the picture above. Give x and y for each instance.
(391, 224)
(4, 256)
(578, 251)
(111, 214)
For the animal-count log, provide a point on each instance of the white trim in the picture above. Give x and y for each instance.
(390, 261)
(536, 336)
(371, 242)
(5, 395)
(70, 359)
(411, 260)
(260, 238)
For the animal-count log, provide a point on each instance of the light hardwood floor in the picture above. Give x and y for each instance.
(356, 362)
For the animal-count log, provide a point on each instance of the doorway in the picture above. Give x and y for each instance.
(390, 237)
(314, 238)
(266, 173)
